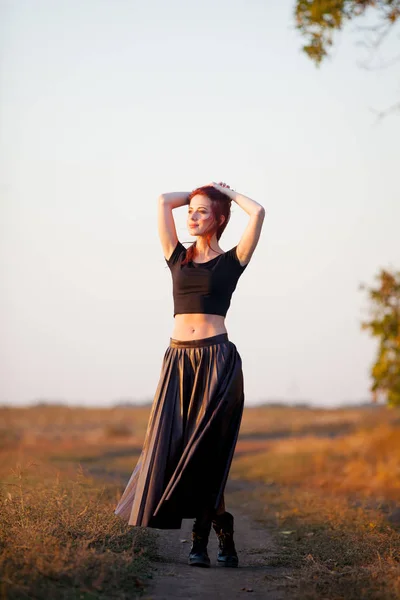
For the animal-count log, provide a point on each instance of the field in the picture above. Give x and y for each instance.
(323, 484)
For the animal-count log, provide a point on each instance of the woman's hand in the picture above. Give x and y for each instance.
(221, 184)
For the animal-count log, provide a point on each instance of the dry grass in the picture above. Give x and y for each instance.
(60, 422)
(336, 550)
(327, 483)
(366, 461)
(334, 507)
(43, 423)
(59, 537)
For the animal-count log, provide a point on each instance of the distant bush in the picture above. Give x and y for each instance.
(117, 430)
(9, 437)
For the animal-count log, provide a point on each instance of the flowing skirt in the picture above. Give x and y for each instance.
(191, 435)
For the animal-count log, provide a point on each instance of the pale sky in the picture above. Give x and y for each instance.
(104, 105)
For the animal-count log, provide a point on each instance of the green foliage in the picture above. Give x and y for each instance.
(317, 20)
(385, 325)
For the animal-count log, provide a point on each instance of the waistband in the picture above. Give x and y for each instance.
(208, 341)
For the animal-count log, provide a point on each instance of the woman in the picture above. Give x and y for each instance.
(197, 408)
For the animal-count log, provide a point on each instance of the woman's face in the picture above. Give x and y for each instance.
(200, 217)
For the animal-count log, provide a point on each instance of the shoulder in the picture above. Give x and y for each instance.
(176, 253)
(233, 258)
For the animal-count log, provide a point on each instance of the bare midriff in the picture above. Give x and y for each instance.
(196, 326)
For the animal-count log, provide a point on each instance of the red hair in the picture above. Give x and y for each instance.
(220, 205)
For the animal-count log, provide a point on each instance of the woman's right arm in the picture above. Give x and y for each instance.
(166, 223)
(175, 199)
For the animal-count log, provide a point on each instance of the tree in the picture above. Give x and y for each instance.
(318, 20)
(385, 325)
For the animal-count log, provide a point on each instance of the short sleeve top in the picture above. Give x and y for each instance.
(204, 287)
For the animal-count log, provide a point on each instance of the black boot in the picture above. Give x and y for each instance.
(198, 556)
(223, 527)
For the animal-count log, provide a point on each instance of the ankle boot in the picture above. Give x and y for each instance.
(223, 527)
(198, 556)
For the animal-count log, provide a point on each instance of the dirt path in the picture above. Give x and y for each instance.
(254, 578)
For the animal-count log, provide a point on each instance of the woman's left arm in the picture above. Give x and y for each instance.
(251, 234)
(250, 206)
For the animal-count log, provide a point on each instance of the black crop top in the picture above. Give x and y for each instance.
(204, 287)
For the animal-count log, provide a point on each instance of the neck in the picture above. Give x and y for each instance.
(203, 248)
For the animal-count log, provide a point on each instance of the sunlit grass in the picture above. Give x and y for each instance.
(333, 506)
(367, 460)
(60, 539)
(326, 484)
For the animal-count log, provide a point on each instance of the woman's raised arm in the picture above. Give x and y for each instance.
(166, 222)
(252, 232)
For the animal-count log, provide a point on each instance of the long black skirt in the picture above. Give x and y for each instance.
(191, 435)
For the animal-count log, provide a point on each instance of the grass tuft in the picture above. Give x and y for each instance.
(60, 538)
